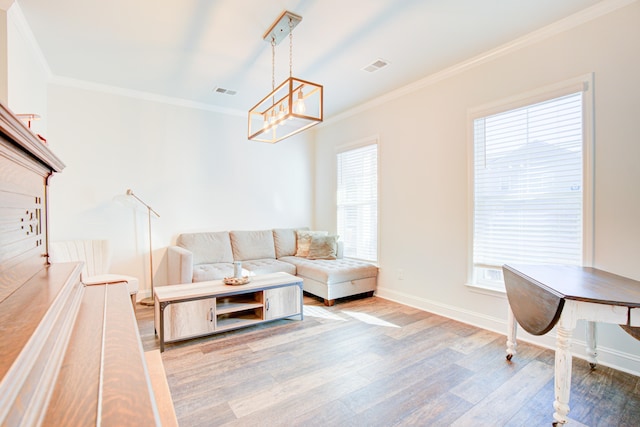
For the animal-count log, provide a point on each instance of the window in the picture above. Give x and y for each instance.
(357, 201)
(529, 196)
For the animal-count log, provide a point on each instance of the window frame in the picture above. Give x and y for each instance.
(583, 83)
(364, 142)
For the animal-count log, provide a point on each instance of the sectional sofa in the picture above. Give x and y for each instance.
(316, 257)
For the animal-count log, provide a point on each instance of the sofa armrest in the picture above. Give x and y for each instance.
(180, 265)
(340, 249)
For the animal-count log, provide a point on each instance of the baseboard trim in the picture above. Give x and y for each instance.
(622, 361)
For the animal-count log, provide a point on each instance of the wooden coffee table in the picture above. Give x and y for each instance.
(203, 308)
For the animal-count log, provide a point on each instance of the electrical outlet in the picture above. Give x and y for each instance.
(401, 274)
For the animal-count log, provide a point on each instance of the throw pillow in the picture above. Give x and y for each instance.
(304, 241)
(285, 241)
(323, 247)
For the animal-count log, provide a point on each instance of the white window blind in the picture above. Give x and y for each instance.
(528, 187)
(357, 202)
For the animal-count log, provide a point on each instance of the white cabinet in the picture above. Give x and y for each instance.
(282, 302)
(189, 319)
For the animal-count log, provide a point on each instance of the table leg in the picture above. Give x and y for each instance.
(301, 302)
(563, 365)
(592, 344)
(162, 307)
(512, 330)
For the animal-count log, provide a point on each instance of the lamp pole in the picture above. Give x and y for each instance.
(147, 300)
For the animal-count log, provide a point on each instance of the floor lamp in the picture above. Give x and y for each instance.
(147, 300)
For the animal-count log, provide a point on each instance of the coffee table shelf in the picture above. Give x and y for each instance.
(203, 308)
(233, 303)
(235, 322)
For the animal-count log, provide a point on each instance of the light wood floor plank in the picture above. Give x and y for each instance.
(499, 406)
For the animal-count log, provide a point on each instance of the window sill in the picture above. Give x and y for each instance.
(486, 290)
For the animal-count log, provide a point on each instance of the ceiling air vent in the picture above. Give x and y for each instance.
(224, 91)
(376, 65)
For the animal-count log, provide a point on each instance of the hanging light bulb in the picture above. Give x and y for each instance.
(281, 112)
(265, 124)
(273, 119)
(299, 106)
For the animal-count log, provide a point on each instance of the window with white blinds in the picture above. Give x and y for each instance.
(357, 202)
(528, 187)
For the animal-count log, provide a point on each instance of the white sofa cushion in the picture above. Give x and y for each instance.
(214, 271)
(252, 245)
(207, 248)
(332, 271)
(285, 241)
(268, 265)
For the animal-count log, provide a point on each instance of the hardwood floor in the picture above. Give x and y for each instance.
(372, 362)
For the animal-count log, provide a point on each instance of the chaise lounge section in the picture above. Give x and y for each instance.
(316, 257)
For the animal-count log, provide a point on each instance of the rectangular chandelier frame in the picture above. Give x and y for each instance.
(293, 106)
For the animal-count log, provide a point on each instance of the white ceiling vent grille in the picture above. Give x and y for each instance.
(224, 91)
(376, 65)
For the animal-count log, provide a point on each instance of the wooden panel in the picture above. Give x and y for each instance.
(126, 398)
(584, 284)
(75, 397)
(189, 319)
(31, 362)
(22, 224)
(216, 287)
(103, 373)
(536, 308)
(23, 312)
(282, 302)
(161, 388)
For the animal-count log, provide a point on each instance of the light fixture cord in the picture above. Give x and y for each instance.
(273, 64)
(290, 47)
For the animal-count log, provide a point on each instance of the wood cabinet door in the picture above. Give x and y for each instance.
(189, 319)
(282, 302)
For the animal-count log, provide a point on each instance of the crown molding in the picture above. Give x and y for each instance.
(565, 24)
(145, 96)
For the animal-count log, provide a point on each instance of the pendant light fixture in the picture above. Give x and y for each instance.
(293, 106)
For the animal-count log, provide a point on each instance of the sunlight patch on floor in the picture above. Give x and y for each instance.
(315, 311)
(367, 318)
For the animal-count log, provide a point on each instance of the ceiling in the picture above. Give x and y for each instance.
(184, 49)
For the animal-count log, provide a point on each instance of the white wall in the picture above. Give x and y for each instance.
(195, 168)
(27, 74)
(424, 175)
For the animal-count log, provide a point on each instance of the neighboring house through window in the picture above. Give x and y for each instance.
(532, 182)
(357, 200)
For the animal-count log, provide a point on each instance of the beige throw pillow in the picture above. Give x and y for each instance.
(323, 247)
(304, 241)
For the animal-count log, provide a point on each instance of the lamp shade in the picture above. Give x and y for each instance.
(295, 105)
